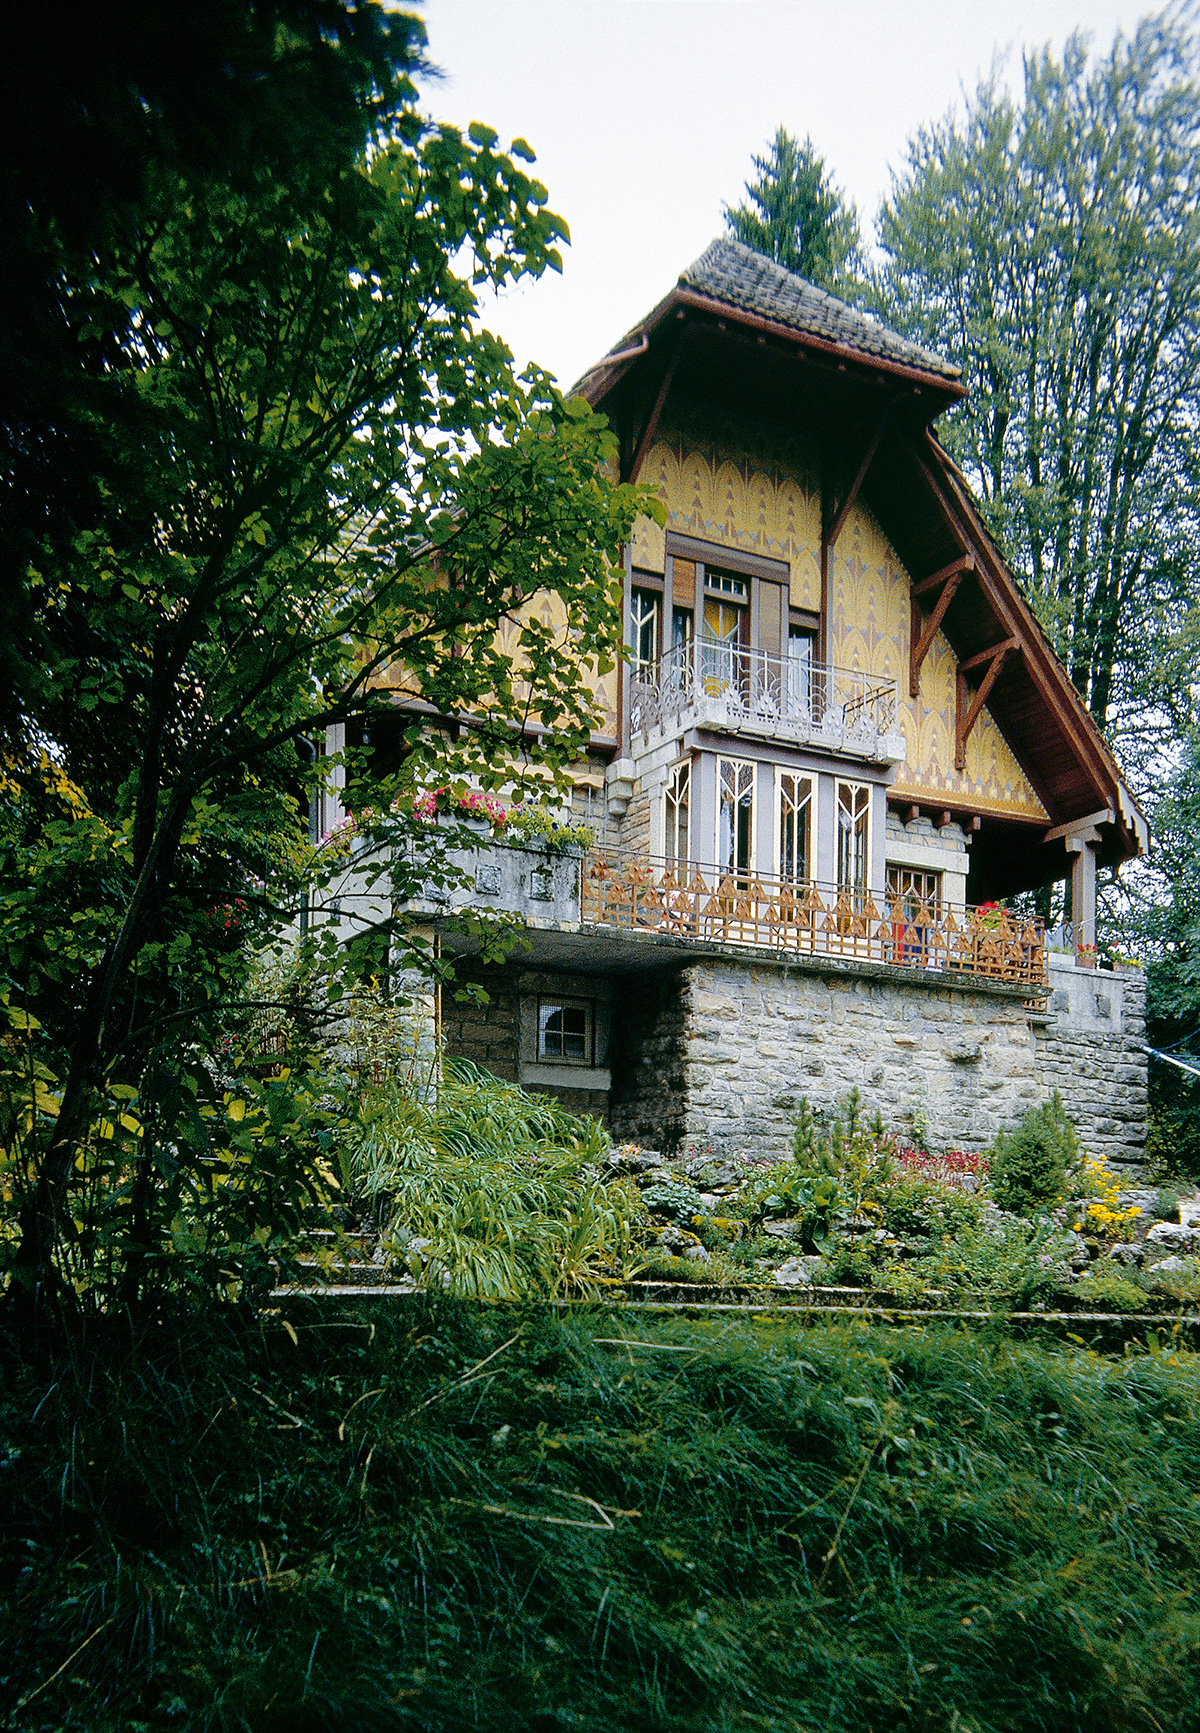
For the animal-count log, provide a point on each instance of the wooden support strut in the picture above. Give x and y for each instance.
(651, 427)
(834, 529)
(921, 635)
(966, 711)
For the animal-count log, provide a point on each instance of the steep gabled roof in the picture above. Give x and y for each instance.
(735, 274)
(730, 275)
(739, 331)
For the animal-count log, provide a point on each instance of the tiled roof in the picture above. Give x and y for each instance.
(735, 274)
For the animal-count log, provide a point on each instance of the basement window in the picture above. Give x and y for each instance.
(566, 1031)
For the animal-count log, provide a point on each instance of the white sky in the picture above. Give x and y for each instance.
(645, 114)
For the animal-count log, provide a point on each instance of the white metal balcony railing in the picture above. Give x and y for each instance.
(735, 688)
(721, 906)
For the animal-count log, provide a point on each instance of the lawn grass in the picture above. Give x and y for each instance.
(441, 1516)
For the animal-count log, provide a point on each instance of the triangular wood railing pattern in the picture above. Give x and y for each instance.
(714, 905)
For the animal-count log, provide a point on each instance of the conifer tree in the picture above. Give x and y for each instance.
(798, 217)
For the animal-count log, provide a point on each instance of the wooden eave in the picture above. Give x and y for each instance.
(721, 319)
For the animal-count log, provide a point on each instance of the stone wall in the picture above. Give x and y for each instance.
(720, 1052)
(489, 1033)
(921, 1051)
(649, 1060)
(1090, 1048)
(726, 1052)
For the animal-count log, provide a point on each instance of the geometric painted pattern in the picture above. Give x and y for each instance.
(767, 502)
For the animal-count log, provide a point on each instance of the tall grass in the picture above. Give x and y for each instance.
(494, 1184)
(444, 1518)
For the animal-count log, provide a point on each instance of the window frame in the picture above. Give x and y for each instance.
(550, 1003)
(734, 868)
(680, 777)
(641, 593)
(809, 807)
(863, 812)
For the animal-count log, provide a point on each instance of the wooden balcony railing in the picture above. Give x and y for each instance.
(717, 906)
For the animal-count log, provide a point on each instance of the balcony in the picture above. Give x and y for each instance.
(714, 906)
(748, 692)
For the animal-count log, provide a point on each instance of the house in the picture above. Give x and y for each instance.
(841, 735)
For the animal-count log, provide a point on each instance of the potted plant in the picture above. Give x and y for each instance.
(1085, 956)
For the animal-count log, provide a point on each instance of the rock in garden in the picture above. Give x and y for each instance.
(786, 1228)
(793, 1273)
(1170, 1267)
(1173, 1237)
(698, 1254)
(1128, 1253)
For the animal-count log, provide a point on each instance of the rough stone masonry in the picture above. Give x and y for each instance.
(724, 1057)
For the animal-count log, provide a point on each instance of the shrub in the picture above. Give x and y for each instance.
(787, 1190)
(1166, 1204)
(1031, 1166)
(1100, 1192)
(1108, 1287)
(902, 1282)
(1017, 1263)
(857, 1151)
(672, 1197)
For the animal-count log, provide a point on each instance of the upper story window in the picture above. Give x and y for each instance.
(644, 628)
(677, 812)
(853, 836)
(917, 894)
(735, 816)
(795, 818)
(727, 584)
(801, 652)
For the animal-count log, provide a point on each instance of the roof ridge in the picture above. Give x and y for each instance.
(731, 272)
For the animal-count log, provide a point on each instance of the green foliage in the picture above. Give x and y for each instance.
(1107, 1287)
(810, 1199)
(492, 1179)
(1166, 1204)
(857, 1150)
(300, 423)
(537, 823)
(1021, 1262)
(674, 1198)
(354, 1517)
(798, 217)
(1168, 926)
(1050, 243)
(902, 1282)
(917, 1208)
(1033, 1165)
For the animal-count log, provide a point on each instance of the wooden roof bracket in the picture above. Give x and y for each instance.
(922, 634)
(966, 707)
(632, 468)
(838, 523)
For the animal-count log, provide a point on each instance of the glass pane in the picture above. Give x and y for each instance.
(799, 671)
(564, 1031)
(678, 800)
(853, 808)
(722, 639)
(795, 826)
(735, 819)
(643, 609)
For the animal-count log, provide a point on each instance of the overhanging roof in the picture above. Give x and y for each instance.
(740, 332)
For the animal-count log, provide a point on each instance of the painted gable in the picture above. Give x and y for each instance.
(745, 489)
